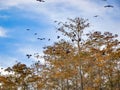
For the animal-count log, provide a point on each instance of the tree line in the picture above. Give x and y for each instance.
(85, 61)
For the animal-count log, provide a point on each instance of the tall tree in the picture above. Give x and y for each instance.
(74, 30)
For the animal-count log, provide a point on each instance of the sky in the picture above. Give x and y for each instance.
(18, 15)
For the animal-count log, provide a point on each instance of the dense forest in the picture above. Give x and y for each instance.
(81, 61)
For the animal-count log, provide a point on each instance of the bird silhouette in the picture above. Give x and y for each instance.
(74, 35)
(41, 38)
(44, 47)
(55, 21)
(96, 16)
(40, 0)
(108, 6)
(27, 29)
(79, 39)
(35, 33)
(72, 40)
(28, 55)
(49, 39)
(58, 37)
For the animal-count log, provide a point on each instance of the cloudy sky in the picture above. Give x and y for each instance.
(18, 15)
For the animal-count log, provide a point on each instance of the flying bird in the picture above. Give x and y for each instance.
(40, 0)
(96, 16)
(49, 39)
(108, 6)
(44, 47)
(35, 33)
(27, 29)
(28, 55)
(55, 21)
(58, 37)
(41, 38)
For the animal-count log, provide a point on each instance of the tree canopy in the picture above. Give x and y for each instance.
(82, 62)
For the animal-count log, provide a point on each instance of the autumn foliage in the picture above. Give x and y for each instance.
(88, 61)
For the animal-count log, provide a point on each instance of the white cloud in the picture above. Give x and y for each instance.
(6, 4)
(57, 9)
(3, 32)
(62, 9)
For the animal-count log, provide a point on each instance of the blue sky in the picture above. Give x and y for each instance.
(18, 15)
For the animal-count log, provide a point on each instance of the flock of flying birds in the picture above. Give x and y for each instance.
(41, 39)
(36, 54)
